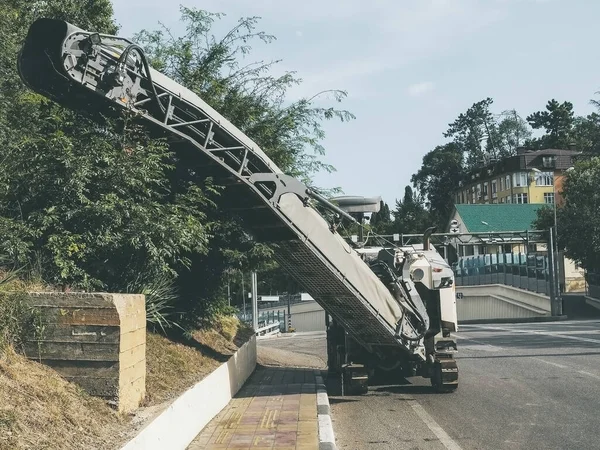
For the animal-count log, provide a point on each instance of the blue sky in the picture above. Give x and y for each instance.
(410, 67)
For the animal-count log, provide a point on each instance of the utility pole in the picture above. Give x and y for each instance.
(228, 289)
(557, 259)
(551, 265)
(254, 302)
(289, 311)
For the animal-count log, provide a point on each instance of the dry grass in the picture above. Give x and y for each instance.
(174, 367)
(40, 410)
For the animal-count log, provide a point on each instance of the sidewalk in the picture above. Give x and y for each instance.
(276, 409)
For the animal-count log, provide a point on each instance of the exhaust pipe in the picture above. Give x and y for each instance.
(426, 236)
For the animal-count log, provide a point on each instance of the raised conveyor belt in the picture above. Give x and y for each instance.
(104, 74)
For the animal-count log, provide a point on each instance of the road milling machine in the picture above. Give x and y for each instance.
(390, 307)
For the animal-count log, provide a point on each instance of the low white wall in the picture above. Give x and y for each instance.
(593, 302)
(496, 301)
(181, 422)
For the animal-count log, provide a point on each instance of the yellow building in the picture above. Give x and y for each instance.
(528, 177)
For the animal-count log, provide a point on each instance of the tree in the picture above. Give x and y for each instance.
(483, 136)
(255, 101)
(510, 133)
(586, 131)
(557, 120)
(381, 221)
(410, 215)
(101, 204)
(437, 180)
(249, 96)
(472, 133)
(578, 220)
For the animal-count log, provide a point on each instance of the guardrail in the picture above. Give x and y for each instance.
(268, 329)
(521, 270)
(593, 284)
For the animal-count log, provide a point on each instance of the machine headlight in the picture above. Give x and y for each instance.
(417, 274)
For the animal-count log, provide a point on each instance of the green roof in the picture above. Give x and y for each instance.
(498, 217)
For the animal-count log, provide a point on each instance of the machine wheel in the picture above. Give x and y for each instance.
(444, 377)
(355, 379)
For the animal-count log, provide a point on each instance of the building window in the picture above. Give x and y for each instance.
(520, 179)
(502, 200)
(544, 179)
(507, 182)
(520, 198)
(501, 183)
(485, 190)
(494, 189)
(479, 192)
(508, 199)
(549, 161)
(549, 197)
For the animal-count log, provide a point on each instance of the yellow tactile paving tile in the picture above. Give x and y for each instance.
(275, 410)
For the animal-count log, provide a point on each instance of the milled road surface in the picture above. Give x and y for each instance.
(522, 386)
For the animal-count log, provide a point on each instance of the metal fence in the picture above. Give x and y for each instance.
(529, 271)
(266, 318)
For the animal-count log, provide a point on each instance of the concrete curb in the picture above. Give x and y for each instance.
(326, 435)
(177, 426)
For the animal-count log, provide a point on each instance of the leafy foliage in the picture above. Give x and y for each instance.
(438, 177)
(381, 222)
(95, 205)
(470, 130)
(255, 101)
(557, 120)
(410, 215)
(579, 221)
(160, 295)
(483, 136)
(248, 95)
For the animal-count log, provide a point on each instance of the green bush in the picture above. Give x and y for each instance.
(18, 321)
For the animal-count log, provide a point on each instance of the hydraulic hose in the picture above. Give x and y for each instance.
(123, 61)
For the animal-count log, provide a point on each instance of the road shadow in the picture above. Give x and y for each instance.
(268, 381)
(338, 400)
(407, 389)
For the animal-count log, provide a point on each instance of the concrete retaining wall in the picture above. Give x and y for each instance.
(181, 422)
(498, 301)
(97, 341)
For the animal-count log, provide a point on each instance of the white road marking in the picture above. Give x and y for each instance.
(589, 374)
(576, 332)
(543, 333)
(558, 334)
(482, 346)
(551, 363)
(435, 428)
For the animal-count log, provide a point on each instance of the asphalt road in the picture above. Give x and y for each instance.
(522, 386)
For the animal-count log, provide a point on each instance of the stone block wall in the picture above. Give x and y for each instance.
(97, 341)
